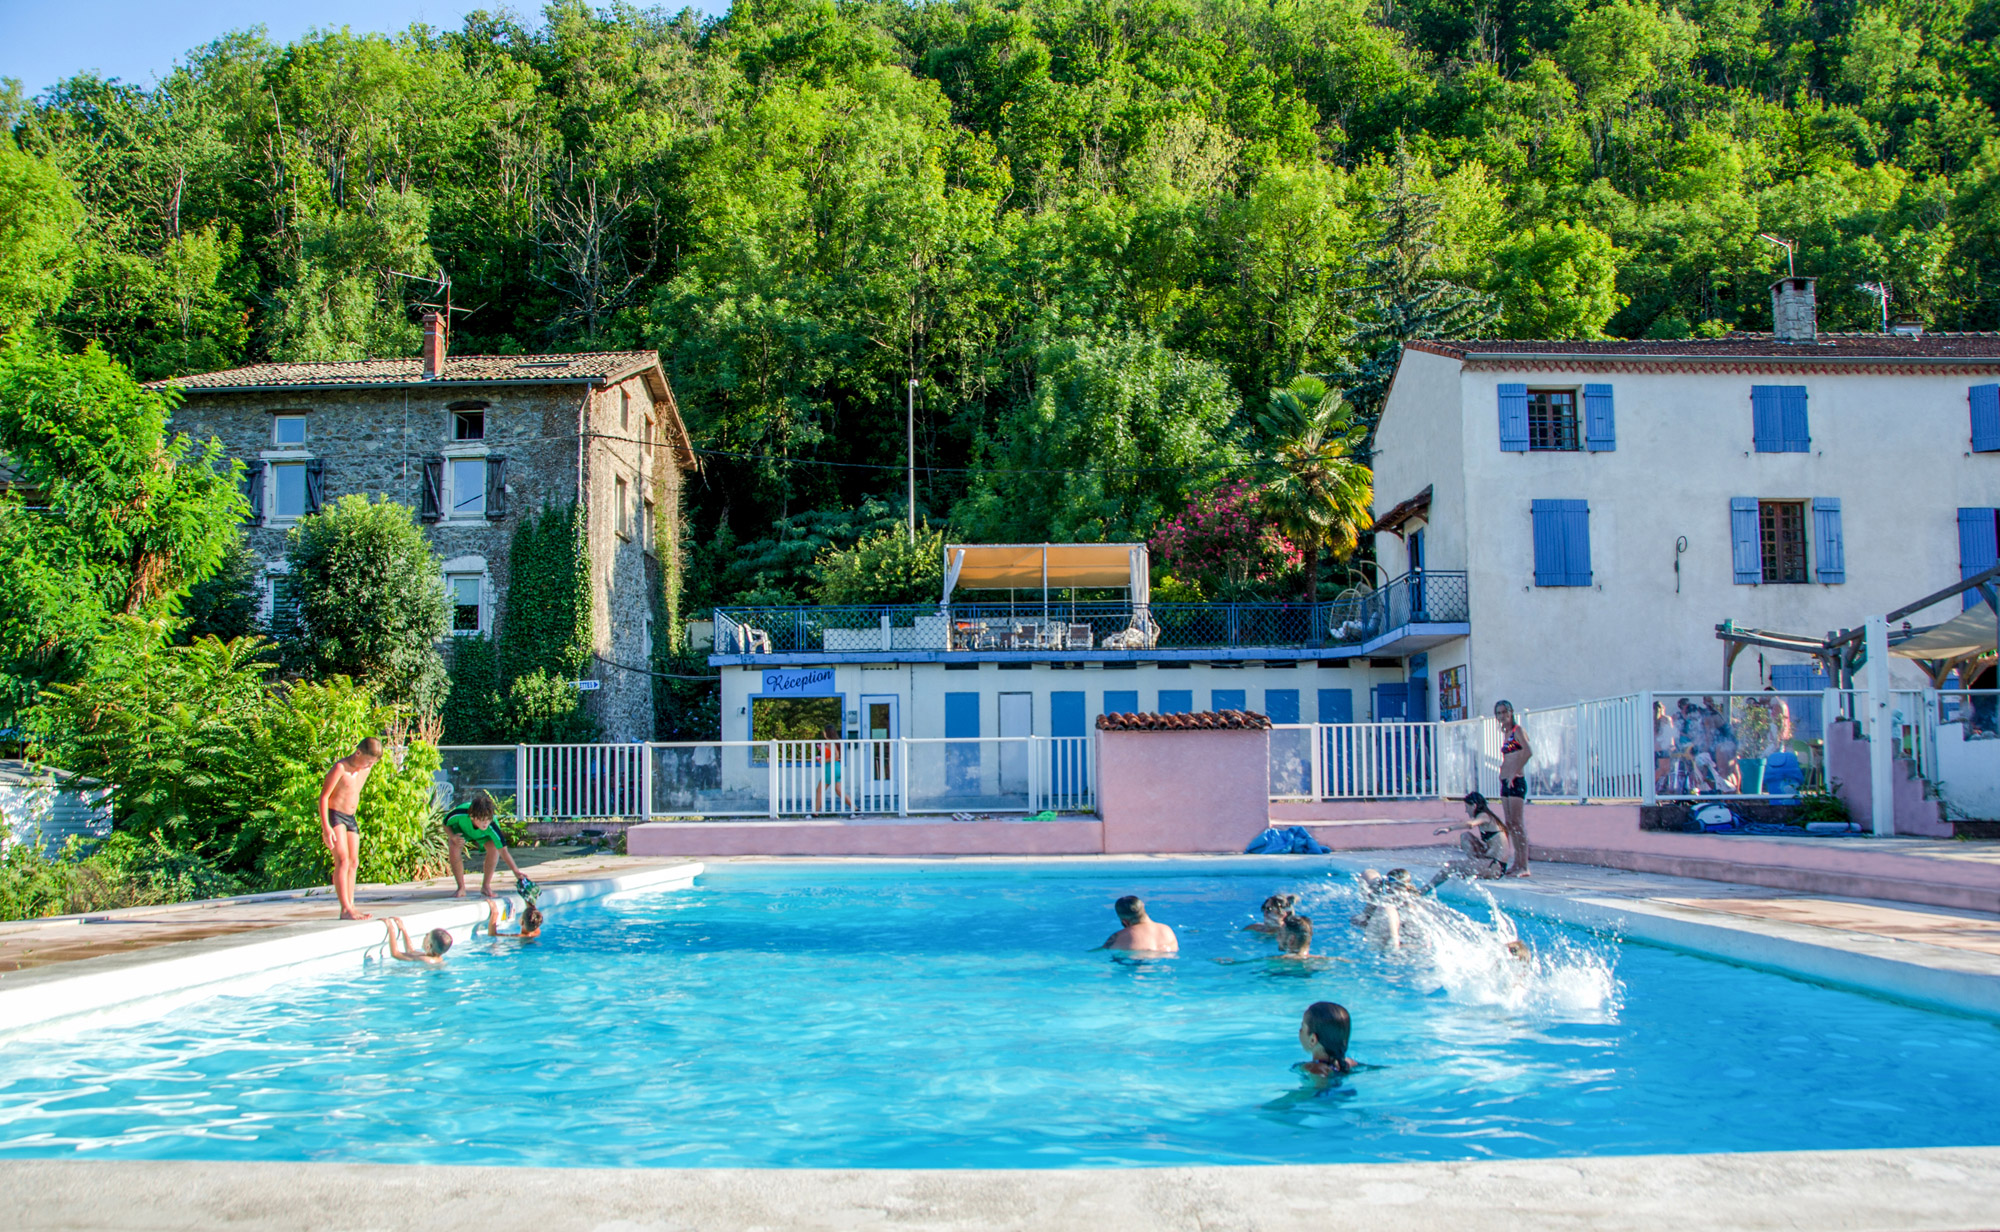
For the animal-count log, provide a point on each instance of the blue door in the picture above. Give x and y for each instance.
(1227, 699)
(1069, 773)
(961, 761)
(1281, 705)
(1392, 702)
(1121, 701)
(1801, 678)
(1176, 701)
(1336, 705)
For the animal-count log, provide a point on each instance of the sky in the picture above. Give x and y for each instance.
(44, 41)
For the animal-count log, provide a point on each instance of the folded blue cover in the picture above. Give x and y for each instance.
(1290, 841)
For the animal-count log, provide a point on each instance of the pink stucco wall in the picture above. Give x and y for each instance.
(1847, 767)
(940, 837)
(1174, 791)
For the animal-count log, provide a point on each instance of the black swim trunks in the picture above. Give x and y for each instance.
(334, 817)
(1515, 787)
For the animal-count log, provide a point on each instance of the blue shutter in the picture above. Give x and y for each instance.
(1744, 549)
(1176, 701)
(1985, 418)
(1336, 705)
(1066, 714)
(1514, 418)
(1801, 678)
(1832, 553)
(1562, 542)
(1600, 424)
(1978, 546)
(1766, 420)
(1792, 419)
(961, 716)
(1227, 699)
(1121, 701)
(1281, 705)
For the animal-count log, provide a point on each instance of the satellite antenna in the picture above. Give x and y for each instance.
(1775, 242)
(1880, 290)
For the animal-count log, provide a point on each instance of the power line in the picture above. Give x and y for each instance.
(647, 671)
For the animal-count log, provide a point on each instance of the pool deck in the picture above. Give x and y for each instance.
(1933, 1190)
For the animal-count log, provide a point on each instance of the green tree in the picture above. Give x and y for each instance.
(889, 566)
(1558, 281)
(368, 602)
(40, 217)
(1319, 494)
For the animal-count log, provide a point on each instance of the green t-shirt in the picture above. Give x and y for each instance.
(459, 821)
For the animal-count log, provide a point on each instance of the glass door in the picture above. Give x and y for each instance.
(881, 726)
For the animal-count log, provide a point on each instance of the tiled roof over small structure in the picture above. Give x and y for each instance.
(1205, 720)
(1835, 351)
(593, 367)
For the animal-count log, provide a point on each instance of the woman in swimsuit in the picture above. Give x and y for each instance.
(1515, 754)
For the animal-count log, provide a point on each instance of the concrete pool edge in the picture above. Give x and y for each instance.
(37, 999)
(1910, 1190)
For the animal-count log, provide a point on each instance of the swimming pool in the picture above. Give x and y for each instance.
(953, 1016)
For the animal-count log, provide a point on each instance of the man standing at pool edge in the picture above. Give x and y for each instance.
(339, 799)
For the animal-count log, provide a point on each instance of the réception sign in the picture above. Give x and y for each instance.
(799, 682)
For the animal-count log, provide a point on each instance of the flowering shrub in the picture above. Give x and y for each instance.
(1223, 536)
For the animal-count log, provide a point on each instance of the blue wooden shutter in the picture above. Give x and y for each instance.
(1220, 700)
(253, 492)
(1575, 518)
(1176, 701)
(1336, 705)
(315, 485)
(1600, 424)
(1281, 705)
(1832, 552)
(1792, 419)
(1562, 542)
(1766, 420)
(1744, 549)
(1121, 701)
(1549, 563)
(1514, 418)
(1985, 418)
(1978, 546)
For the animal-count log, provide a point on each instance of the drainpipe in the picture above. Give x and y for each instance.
(1881, 754)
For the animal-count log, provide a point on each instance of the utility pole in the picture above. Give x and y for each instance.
(913, 459)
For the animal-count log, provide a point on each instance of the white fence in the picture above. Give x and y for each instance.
(782, 778)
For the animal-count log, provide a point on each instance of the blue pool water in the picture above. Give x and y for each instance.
(892, 1016)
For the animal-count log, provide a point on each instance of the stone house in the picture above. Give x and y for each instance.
(474, 443)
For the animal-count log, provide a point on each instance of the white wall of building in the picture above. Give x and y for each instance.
(1893, 447)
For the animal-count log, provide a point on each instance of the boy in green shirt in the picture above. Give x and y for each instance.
(472, 822)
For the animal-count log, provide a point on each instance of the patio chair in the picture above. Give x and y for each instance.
(755, 640)
(1080, 637)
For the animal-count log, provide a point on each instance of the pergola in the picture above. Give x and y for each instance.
(1028, 566)
(1939, 649)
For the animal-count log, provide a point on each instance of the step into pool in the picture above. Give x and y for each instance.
(917, 1016)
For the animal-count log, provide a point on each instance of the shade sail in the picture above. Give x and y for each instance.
(1030, 566)
(1970, 632)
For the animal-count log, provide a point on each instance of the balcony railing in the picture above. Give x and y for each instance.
(1428, 597)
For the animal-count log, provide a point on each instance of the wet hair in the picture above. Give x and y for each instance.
(531, 919)
(437, 942)
(370, 747)
(482, 806)
(1520, 950)
(1280, 903)
(1478, 804)
(1295, 934)
(1329, 1025)
(1130, 908)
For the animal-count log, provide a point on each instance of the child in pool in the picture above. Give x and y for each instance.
(437, 942)
(1295, 937)
(1323, 1032)
(1381, 921)
(529, 928)
(1276, 908)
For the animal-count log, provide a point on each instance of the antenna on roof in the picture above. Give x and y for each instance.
(1775, 242)
(440, 285)
(1880, 290)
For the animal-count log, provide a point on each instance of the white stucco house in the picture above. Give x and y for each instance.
(1611, 502)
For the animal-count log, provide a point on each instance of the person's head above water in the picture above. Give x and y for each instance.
(1323, 1033)
(531, 919)
(436, 942)
(1131, 909)
(1295, 934)
(1278, 906)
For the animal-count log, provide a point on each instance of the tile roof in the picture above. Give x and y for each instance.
(1827, 347)
(592, 366)
(1205, 720)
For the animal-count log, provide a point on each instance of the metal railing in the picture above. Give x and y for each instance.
(1427, 597)
(781, 778)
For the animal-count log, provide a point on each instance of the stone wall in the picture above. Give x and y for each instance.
(624, 561)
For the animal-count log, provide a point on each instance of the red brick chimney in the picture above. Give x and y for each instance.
(435, 345)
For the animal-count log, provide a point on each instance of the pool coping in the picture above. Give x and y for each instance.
(40, 998)
(1915, 1190)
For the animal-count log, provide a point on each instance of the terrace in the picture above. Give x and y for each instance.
(1037, 622)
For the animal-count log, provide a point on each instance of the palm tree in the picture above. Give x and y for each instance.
(1319, 494)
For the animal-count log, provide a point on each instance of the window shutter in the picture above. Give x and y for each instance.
(1575, 520)
(496, 488)
(253, 492)
(1600, 424)
(1985, 418)
(1766, 420)
(433, 494)
(315, 485)
(1792, 418)
(1551, 560)
(1978, 547)
(1514, 418)
(1826, 533)
(1744, 548)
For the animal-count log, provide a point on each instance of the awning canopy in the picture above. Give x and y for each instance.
(1972, 632)
(1031, 566)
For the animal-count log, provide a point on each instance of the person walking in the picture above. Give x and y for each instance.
(1515, 754)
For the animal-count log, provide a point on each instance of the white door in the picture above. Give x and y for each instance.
(880, 726)
(1017, 718)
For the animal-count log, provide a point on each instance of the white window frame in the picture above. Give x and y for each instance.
(267, 594)
(484, 423)
(622, 504)
(448, 499)
(473, 567)
(281, 417)
(273, 516)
